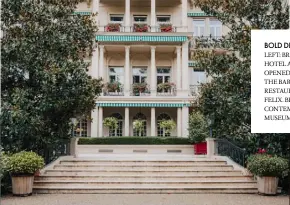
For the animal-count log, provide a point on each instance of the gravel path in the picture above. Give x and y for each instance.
(145, 199)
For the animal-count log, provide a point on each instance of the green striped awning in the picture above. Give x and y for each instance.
(142, 104)
(198, 14)
(83, 13)
(106, 38)
(191, 63)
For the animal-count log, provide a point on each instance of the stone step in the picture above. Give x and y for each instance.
(148, 162)
(142, 180)
(143, 168)
(208, 190)
(152, 178)
(106, 185)
(141, 173)
(140, 165)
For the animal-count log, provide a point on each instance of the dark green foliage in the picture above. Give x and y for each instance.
(134, 141)
(198, 128)
(44, 76)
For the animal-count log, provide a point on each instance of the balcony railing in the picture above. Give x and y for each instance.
(166, 89)
(140, 89)
(204, 41)
(113, 89)
(140, 28)
(194, 90)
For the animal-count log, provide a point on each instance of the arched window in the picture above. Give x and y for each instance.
(161, 131)
(81, 129)
(142, 117)
(119, 131)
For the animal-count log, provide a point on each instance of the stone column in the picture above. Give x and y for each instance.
(127, 79)
(153, 122)
(184, 15)
(101, 63)
(94, 122)
(178, 69)
(127, 122)
(179, 122)
(210, 146)
(96, 5)
(153, 16)
(94, 66)
(127, 16)
(184, 74)
(185, 113)
(100, 122)
(153, 72)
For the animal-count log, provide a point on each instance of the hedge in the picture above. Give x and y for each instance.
(134, 141)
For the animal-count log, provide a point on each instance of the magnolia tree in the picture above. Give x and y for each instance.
(226, 99)
(44, 74)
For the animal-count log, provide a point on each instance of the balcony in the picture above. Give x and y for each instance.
(194, 90)
(140, 89)
(166, 89)
(205, 42)
(140, 28)
(113, 89)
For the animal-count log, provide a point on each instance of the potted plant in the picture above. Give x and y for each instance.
(267, 168)
(139, 88)
(198, 132)
(138, 125)
(111, 123)
(165, 87)
(168, 126)
(141, 27)
(166, 27)
(113, 27)
(113, 87)
(22, 167)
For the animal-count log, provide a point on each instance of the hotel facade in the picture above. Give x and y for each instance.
(142, 55)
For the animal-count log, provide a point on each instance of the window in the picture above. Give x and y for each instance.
(163, 75)
(198, 27)
(199, 77)
(142, 117)
(119, 131)
(161, 131)
(139, 74)
(140, 18)
(81, 129)
(163, 19)
(215, 28)
(116, 74)
(116, 18)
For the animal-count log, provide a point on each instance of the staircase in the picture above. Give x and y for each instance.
(153, 174)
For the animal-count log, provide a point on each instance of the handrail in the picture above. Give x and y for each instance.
(227, 148)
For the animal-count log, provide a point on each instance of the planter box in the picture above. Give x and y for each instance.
(200, 148)
(22, 185)
(267, 185)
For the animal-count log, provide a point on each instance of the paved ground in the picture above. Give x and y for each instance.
(146, 199)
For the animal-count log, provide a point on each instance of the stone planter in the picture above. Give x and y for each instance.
(22, 185)
(267, 185)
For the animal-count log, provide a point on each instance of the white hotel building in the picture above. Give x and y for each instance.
(144, 45)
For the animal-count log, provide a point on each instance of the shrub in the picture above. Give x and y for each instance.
(267, 165)
(4, 175)
(111, 122)
(138, 125)
(133, 141)
(24, 163)
(197, 129)
(168, 125)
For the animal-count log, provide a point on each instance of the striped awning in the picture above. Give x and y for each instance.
(117, 104)
(198, 14)
(125, 38)
(191, 63)
(83, 13)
